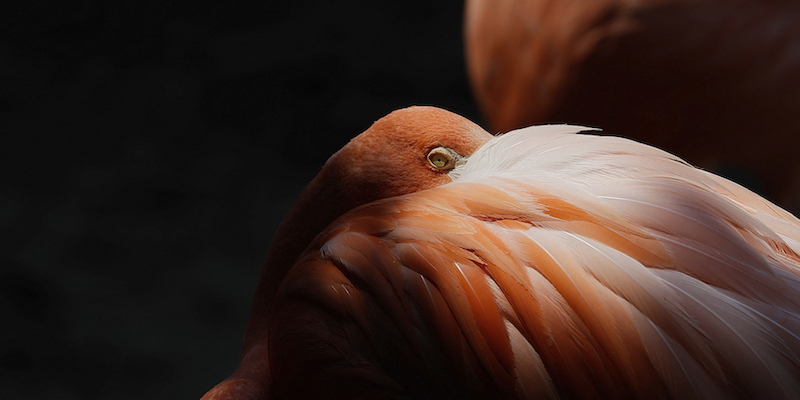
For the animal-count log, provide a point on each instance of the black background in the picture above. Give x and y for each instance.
(149, 150)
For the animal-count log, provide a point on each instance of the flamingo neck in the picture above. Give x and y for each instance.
(321, 202)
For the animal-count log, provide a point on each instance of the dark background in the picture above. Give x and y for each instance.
(149, 150)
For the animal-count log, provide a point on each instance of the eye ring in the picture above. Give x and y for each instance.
(442, 158)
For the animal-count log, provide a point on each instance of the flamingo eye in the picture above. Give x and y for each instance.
(442, 158)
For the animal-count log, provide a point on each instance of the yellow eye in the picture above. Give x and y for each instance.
(442, 158)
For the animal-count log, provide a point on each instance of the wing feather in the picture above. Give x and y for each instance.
(556, 265)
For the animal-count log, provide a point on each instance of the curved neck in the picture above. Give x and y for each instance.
(321, 202)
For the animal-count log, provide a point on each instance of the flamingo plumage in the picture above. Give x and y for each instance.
(714, 81)
(542, 263)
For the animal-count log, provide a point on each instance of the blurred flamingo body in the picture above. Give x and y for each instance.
(542, 263)
(716, 82)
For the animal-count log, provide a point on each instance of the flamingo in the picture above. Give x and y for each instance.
(429, 259)
(714, 81)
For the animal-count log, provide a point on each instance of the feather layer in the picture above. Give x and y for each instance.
(557, 265)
